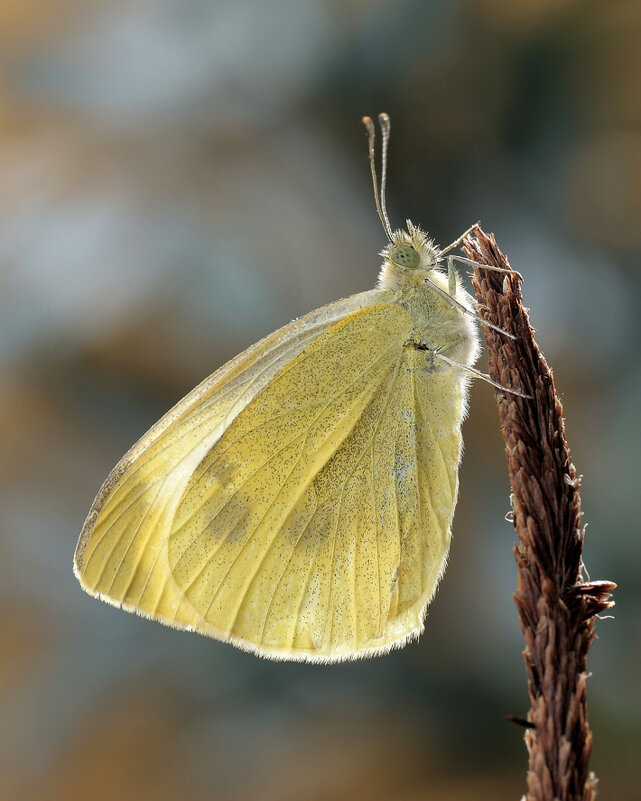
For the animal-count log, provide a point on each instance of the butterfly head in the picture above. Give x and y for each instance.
(411, 249)
(408, 256)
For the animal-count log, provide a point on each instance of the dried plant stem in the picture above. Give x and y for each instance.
(556, 607)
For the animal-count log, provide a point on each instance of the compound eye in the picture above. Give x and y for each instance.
(405, 256)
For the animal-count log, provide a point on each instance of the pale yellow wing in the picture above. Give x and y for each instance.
(313, 526)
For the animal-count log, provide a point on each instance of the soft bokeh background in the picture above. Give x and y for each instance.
(180, 177)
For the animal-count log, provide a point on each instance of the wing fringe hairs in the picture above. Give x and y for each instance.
(556, 606)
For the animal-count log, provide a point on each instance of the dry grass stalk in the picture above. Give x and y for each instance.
(556, 606)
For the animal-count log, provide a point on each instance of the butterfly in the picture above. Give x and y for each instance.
(298, 503)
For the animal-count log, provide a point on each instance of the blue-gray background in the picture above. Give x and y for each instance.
(180, 177)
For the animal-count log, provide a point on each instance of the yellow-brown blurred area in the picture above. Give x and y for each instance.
(180, 177)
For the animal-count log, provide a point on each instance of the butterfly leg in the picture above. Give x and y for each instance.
(477, 264)
(458, 240)
(464, 309)
(452, 277)
(479, 374)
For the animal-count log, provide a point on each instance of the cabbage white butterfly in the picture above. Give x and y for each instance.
(298, 503)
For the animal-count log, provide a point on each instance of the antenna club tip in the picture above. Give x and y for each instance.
(383, 118)
(366, 120)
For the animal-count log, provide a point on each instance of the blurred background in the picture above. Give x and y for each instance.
(177, 179)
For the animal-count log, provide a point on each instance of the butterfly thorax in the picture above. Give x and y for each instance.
(407, 275)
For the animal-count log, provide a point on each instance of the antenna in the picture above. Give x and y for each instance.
(384, 122)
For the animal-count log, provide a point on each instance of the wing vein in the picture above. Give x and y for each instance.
(372, 441)
(418, 481)
(89, 554)
(124, 556)
(253, 473)
(284, 447)
(187, 429)
(282, 575)
(344, 484)
(263, 556)
(376, 535)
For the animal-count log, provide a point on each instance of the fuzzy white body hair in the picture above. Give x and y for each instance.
(440, 326)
